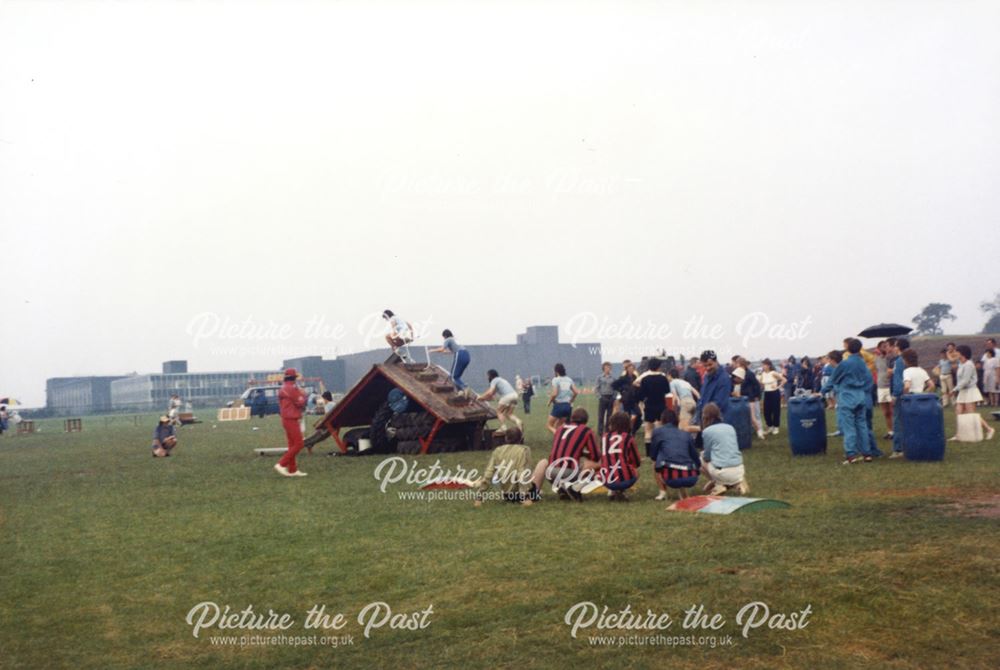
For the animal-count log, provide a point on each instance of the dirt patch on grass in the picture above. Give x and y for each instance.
(985, 507)
(925, 492)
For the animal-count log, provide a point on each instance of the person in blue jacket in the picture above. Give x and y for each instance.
(676, 459)
(716, 387)
(852, 382)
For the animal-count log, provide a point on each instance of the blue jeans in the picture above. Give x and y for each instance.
(458, 367)
(851, 421)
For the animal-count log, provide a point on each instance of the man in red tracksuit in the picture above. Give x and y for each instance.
(291, 400)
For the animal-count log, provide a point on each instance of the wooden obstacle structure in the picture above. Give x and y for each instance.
(234, 414)
(25, 427)
(73, 425)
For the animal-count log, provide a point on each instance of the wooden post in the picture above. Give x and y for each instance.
(336, 438)
(425, 443)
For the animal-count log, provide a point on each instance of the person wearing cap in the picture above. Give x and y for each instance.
(164, 438)
(291, 401)
(715, 388)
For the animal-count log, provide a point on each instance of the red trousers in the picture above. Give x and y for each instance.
(293, 434)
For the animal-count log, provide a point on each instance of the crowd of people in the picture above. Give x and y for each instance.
(692, 437)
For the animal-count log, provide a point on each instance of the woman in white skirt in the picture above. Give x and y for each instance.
(966, 391)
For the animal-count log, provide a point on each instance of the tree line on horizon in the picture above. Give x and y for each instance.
(928, 321)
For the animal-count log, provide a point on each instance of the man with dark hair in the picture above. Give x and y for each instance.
(628, 392)
(507, 399)
(691, 375)
(653, 389)
(896, 386)
(604, 389)
(567, 460)
(716, 387)
(852, 382)
(944, 377)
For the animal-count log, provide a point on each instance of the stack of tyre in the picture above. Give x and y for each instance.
(407, 428)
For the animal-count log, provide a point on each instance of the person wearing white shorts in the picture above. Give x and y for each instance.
(501, 388)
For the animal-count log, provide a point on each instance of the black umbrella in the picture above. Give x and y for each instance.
(885, 330)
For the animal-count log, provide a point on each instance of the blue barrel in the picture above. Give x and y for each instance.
(807, 425)
(923, 427)
(738, 417)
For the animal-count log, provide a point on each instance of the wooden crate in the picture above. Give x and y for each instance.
(234, 414)
(73, 425)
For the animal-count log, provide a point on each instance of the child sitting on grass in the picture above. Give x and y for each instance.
(676, 458)
(619, 458)
(721, 456)
(509, 467)
(164, 438)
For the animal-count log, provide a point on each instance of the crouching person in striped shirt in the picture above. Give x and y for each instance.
(619, 458)
(676, 458)
(567, 462)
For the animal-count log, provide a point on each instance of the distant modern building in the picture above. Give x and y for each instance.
(174, 367)
(151, 391)
(535, 353)
(78, 395)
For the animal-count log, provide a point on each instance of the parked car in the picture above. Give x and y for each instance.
(263, 400)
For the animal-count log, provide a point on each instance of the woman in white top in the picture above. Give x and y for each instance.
(561, 398)
(966, 391)
(991, 379)
(915, 378)
(771, 381)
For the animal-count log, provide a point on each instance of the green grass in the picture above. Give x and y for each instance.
(104, 550)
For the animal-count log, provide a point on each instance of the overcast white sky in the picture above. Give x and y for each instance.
(484, 167)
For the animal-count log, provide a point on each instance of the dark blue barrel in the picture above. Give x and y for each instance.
(807, 425)
(923, 427)
(738, 417)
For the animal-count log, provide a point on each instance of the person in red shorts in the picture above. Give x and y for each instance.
(291, 400)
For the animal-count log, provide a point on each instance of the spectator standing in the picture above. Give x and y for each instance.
(966, 392)
(716, 387)
(561, 399)
(604, 389)
(291, 402)
(771, 382)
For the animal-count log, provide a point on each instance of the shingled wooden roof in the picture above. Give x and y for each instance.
(427, 385)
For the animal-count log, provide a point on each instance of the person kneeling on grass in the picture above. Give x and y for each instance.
(509, 468)
(566, 463)
(722, 458)
(675, 456)
(164, 438)
(619, 458)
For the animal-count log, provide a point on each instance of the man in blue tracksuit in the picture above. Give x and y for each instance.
(852, 382)
(896, 388)
(717, 387)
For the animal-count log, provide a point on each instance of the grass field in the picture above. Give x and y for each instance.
(104, 551)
